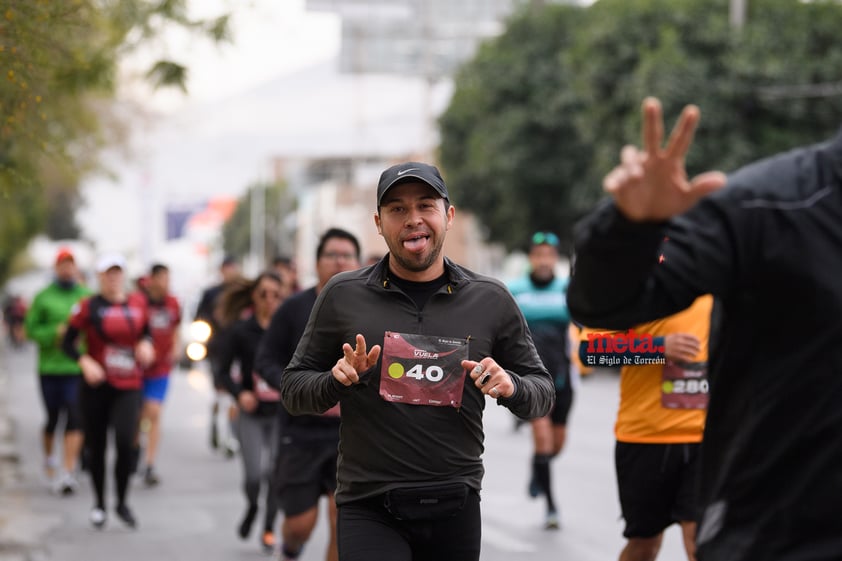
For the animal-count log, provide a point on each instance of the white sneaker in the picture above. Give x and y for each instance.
(97, 518)
(66, 484)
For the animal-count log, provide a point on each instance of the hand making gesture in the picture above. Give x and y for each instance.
(355, 360)
(652, 185)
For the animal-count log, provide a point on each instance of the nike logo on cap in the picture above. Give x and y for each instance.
(403, 171)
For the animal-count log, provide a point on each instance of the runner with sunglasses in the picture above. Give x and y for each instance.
(542, 297)
(258, 403)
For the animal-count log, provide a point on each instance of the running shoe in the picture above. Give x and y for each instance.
(232, 445)
(150, 477)
(66, 484)
(125, 514)
(552, 522)
(97, 518)
(245, 526)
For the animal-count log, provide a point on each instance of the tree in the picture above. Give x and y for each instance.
(278, 205)
(540, 114)
(59, 65)
(509, 143)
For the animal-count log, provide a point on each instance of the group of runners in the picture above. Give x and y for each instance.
(104, 364)
(369, 388)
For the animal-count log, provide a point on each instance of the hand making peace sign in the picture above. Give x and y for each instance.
(652, 184)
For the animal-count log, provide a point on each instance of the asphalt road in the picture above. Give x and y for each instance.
(193, 514)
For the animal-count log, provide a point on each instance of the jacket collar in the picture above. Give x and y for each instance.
(379, 274)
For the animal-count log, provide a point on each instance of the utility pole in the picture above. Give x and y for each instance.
(737, 13)
(258, 227)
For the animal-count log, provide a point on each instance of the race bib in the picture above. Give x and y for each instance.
(423, 369)
(684, 386)
(119, 361)
(160, 320)
(264, 391)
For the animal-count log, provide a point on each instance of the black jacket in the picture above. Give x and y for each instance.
(384, 445)
(274, 353)
(239, 345)
(769, 247)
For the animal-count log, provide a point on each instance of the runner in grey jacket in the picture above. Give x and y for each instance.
(441, 338)
(383, 444)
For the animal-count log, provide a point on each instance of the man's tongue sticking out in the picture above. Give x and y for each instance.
(416, 243)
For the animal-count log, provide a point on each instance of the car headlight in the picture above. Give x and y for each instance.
(196, 351)
(200, 331)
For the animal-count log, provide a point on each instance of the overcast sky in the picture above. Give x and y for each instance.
(275, 92)
(270, 38)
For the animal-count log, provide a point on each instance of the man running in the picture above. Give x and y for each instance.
(663, 399)
(229, 271)
(306, 462)
(59, 375)
(542, 297)
(164, 318)
(393, 344)
(768, 245)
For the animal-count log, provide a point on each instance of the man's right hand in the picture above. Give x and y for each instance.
(355, 360)
(92, 371)
(247, 401)
(681, 347)
(652, 184)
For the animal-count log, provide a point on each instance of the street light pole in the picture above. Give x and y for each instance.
(258, 227)
(737, 13)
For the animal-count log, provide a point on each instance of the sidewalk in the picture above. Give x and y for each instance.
(21, 529)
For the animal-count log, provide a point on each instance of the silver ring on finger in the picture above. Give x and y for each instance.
(494, 392)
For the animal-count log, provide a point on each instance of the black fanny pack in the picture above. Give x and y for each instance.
(426, 503)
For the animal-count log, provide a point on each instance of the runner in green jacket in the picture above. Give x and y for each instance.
(46, 322)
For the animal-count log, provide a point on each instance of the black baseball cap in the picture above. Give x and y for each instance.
(409, 171)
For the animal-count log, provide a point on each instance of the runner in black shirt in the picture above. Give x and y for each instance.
(207, 312)
(768, 246)
(412, 380)
(258, 403)
(306, 461)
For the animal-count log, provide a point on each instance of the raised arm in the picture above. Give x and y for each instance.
(660, 242)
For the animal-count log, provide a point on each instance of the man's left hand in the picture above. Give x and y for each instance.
(490, 377)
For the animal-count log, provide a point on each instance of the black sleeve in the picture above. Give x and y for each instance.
(204, 311)
(272, 355)
(627, 273)
(228, 352)
(68, 343)
(307, 385)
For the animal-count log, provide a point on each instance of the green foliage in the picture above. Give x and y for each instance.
(506, 137)
(58, 68)
(538, 117)
(168, 73)
(278, 204)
